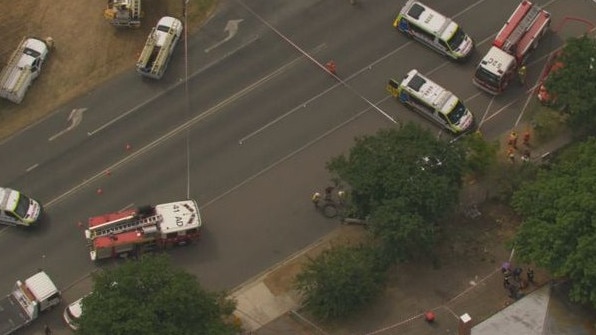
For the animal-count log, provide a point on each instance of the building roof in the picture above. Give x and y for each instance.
(545, 311)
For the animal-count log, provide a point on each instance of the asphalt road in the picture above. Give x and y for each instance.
(249, 132)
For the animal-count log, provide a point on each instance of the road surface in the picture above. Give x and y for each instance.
(247, 135)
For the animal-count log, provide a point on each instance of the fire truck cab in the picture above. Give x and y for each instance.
(135, 231)
(512, 47)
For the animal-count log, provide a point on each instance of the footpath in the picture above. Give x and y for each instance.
(266, 311)
(267, 304)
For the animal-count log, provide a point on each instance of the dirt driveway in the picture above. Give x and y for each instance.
(88, 49)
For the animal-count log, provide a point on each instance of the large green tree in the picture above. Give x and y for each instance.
(559, 226)
(404, 180)
(574, 85)
(151, 296)
(340, 281)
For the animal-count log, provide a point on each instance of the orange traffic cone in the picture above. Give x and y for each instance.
(331, 67)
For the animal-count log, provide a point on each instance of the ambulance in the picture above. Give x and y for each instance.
(438, 32)
(433, 102)
(17, 209)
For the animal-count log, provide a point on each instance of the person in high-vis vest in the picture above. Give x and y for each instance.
(316, 198)
(521, 73)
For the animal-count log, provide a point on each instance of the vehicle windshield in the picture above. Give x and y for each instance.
(22, 206)
(457, 38)
(486, 77)
(71, 316)
(163, 28)
(457, 113)
(31, 53)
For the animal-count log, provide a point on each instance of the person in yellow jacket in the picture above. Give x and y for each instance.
(316, 198)
(521, 73)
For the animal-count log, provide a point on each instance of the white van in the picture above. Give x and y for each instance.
(23, 67)
(440, 33)
(16, 209)
(432, 102)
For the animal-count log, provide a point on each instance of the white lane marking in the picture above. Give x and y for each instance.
(182, 127)
(232, 29)
(502, 109)
(32, 167)
(490, 103)
(74, 119)
(286, 157)
(172, 87)
(129, 206)
(468, 8)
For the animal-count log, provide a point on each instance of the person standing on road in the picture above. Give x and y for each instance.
(506, 274)
(525, 157)
(521, 73)
(517, 274)
(511, 155)
(341, 195)
(530, 275)
(316, 198)
(526, 138)
(328, 191)
(47, 330)
(513, 140)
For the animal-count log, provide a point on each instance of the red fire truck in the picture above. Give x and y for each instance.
(135, 231)
(512, 47)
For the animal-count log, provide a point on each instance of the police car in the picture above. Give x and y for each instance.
(433, 102)
(433, 29)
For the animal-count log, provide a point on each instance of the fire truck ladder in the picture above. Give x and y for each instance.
(135, 12)
(165, 50)
(147, 50)
(523, 26)
(25, 73)
(125, 226)
(12, 63)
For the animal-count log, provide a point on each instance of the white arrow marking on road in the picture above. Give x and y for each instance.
(232, 29)
(74, 118)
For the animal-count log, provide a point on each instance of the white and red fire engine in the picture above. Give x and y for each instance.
(512, 47)
(135, 231)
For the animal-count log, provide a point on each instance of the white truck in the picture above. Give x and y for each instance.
(17, 209)
(139, 230)
(123, 13)
(26, 301)
(158, 49)
(23, 67)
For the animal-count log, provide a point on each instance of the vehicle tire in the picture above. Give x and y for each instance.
(330, 210)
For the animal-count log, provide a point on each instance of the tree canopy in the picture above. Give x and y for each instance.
(150, 296)
(404, 180)
(559, 227)
(340, 280)
(574, 84)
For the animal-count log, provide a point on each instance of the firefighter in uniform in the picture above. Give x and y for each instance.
(521, 73)
(316, 197)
